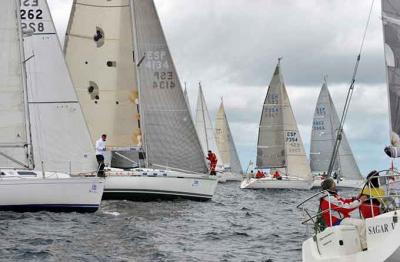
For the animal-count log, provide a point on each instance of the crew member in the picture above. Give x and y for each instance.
(259, 174)
(100, 148)
(277, 175)
(376, 196)
(340, 209)
(213, 162)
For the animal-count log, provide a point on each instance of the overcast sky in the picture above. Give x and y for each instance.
(232, 47)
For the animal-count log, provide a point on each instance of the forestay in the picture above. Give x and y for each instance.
(205, 129)
(279, 141)
(59, 133)
(169, 134)
(14, 141)
(391, 33)
(225, 143)
(325, 125)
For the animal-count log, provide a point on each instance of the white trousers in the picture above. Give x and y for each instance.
(360, 225)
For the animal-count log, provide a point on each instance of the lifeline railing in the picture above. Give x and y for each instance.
(389, 184)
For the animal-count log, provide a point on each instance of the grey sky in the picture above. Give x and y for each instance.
(232, 46)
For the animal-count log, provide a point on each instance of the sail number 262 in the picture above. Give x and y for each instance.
(30, 12)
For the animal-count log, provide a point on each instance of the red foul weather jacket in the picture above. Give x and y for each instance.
(340, 208)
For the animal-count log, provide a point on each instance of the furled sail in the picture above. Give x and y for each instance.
(60, 137)
(169, 134)
(99, 50)
(205, 129)
(225, 143)
(391, 34)
(14, 133)
(325, 125)
(279, 141)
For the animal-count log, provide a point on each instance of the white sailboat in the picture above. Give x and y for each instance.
(279, 147)
(325, 125)
(43, 136)
(129, 89)
(206, 134)
(341, 242)
(226, 147)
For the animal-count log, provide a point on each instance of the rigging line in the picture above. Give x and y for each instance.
(348, 97)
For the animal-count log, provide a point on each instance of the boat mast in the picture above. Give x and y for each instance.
(31, 162)
(137, 65)
(202, 113)
(283, 119)
(348, 99)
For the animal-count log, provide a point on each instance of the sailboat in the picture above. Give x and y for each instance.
(206, 133)
(43, 136)
(279, 147)
(226, 146)
(128, 87)
(325, 124)
(341, 242)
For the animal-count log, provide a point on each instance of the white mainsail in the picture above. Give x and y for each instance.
(122, 66)
(169, 134)
(205, 129)
(60, 138)
(391, 31)
(225, 143)
(42, 117)
(14, 127)
(279, 141)
(323, 136)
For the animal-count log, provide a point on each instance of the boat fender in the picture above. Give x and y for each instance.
(395, 219)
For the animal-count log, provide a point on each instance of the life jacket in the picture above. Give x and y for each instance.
(260, 174)
(212, 157)
(340, 208)
(371, 208)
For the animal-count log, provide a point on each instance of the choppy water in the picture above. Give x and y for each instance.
(237, 225)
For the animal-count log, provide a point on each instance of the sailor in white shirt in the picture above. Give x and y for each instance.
(100, 148)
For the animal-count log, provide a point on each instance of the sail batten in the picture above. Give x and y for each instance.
(323, 136)
(279, 142)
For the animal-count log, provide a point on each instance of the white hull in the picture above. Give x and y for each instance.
(345, 183)
(150, 184)
(271, 183)
(56, 192)
(383, 241)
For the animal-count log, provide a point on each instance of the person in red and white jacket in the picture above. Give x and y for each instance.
(340, 209)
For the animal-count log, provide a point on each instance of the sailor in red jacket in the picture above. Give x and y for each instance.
(213, 162)
(340, 209)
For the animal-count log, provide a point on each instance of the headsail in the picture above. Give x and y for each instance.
(279, 141)
(100, 54)
(169, 134)
(325, 125)
(205, 129)
(391, 34)
(225, 143)
(60, 136)
(14, 128)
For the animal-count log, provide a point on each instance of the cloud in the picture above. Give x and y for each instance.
(232, 47)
